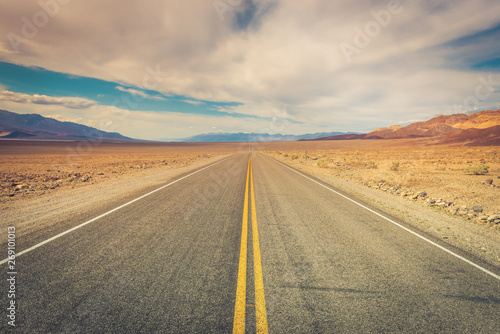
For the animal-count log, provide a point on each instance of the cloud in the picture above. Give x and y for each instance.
(139, 93)
(65, 119)
(270, 54)
(196, 103)
(68, 102)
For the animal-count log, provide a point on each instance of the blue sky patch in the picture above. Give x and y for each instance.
(36, 80)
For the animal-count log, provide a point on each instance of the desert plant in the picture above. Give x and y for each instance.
(285, 155)
(294, 156)
(479, 169)
(371, 165)
(321, 163)
(395, 166)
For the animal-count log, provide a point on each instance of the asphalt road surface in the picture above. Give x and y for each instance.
(187, 258)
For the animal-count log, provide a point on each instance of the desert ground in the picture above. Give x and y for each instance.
(459, 180)
(35, 168)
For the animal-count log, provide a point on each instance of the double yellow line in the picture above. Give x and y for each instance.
(260, 302)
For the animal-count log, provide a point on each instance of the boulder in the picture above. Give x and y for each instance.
(493, 218)
(477, 208)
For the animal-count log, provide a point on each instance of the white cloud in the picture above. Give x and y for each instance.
(65, 119)
(196, 103)
(288, 56)
(68, 102)
(153, 125)
(139, 93)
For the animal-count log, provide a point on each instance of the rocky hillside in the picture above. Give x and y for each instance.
(482, 128)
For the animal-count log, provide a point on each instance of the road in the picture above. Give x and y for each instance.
(187, 258)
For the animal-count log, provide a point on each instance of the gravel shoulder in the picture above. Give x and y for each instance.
(477, 240)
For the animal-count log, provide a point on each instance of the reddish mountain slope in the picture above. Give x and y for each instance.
(443, 124)
(482, 128)
(476, 137)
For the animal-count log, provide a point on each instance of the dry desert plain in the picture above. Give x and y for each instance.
(35, 168)
(457, 179)
(403, 174)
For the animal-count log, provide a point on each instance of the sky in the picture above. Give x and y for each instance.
(165, 70)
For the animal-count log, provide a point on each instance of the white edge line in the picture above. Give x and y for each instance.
(105, 214)
(399, 225)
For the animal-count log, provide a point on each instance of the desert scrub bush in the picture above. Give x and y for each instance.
(321, 163)
(294, 156)
(479, 169)
(395, 166)
(285, 155)
(371, 165)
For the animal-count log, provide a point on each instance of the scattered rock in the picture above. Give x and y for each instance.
(488, 181)
(493, 218)
(21, 186)
(477, 208)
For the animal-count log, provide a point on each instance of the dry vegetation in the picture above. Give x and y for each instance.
(459, 180)
(29, 169)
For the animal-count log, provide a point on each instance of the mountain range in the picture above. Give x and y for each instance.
(255, 137)
(34, 126)
(482, 128)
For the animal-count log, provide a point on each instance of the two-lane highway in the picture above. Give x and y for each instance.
(247, 244)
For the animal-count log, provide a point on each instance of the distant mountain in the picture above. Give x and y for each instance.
(254, 137)
(34, 126)
(457, 128)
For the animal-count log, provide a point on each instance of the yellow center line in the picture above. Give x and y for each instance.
(239, 308)
(260, 301)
